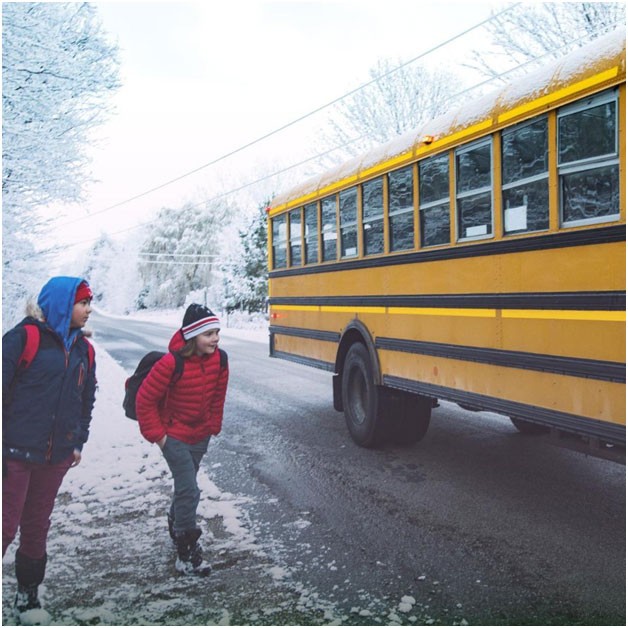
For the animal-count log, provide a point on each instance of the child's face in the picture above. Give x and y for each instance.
(80, 313)
(207, 342)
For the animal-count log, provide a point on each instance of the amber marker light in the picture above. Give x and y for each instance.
(427, 139)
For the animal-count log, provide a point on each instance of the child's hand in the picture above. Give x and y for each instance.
(162, 441)
(77, 458)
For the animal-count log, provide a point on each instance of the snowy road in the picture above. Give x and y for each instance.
(475, 525)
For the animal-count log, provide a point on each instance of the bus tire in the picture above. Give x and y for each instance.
(528, 428)
(361, 398)
(410, 415)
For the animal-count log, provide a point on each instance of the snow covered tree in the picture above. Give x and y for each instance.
(110, 266)
(544, 30)
(178, 255)
(58, 69)
(98, 266)
(245, 273)
(401, 99)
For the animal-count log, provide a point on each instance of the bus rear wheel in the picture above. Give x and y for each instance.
(361, 398)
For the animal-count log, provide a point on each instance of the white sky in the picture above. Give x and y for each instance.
(201, 79)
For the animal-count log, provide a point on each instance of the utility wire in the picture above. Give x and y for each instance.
(283, 170)
(296, 120)
(146, 254)
(300, 163)
(228, 193)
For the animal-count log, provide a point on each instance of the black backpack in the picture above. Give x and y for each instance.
(133, 383)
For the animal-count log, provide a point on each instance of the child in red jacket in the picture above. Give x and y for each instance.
(181, 417)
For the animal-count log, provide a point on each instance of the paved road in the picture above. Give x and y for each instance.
(475, 524)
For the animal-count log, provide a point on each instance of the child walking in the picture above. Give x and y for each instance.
(181, 416)
(47, 409)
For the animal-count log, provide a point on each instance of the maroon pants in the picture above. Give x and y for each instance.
(28, 496)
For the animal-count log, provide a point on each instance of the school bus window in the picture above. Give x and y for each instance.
(373, 216)
(349, 222)
(295, 237)
(588, 160)
(401, 208)
(328, 219)
(525, 179)
(474, 201)
(311, 233)
(279, 242)
(434, 200)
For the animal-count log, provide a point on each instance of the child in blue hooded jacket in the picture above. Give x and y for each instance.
(47, 409)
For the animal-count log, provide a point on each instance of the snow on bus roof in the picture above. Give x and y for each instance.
(534, 85)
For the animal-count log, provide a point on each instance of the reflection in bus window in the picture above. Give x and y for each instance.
(295, 237)
(328, 219)
(279, 242)
(525, 178)
(311, 233)
(401, 209)
(349, 223)
(373, 216)
(474, 191)
(588, 160)
(434, 200)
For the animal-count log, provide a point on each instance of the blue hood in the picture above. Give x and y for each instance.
(56, 301)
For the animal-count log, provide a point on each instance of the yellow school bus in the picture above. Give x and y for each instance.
(478, 259)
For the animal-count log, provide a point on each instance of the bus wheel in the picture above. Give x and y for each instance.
(525, 427)
(410, 417)
(360, 398)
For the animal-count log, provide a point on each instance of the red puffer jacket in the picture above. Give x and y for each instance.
(189, 410)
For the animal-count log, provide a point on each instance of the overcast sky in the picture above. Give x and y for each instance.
(202, 79)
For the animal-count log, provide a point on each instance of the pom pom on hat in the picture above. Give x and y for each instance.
(83, 292)
(197, 320)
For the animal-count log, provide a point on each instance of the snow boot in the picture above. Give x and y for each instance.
(190, 554)
(30, 574)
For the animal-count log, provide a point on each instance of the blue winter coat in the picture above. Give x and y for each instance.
(47, 408)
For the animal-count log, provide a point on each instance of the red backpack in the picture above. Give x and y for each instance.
(31, 346)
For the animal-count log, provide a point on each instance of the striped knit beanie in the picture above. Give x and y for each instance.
(197, 320)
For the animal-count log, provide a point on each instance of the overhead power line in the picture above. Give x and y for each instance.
(195, 255)
(292, 166)
(296, 120)
(304, 161)
(228, 193)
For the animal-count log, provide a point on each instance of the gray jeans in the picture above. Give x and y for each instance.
(184, 461)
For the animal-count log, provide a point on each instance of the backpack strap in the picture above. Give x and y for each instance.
(31, 346)
(178, 367)
(91, 353)
(223, 358)
(29, 351)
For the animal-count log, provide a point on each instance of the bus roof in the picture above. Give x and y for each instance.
(599, 63)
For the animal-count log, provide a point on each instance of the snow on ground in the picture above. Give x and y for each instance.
(111, 560)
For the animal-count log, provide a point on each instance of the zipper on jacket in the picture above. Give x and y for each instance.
(66, 355)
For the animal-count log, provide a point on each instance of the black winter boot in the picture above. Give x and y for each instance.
(190, 554)
(30, 574)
